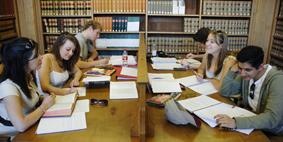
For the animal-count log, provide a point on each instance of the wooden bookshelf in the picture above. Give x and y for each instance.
(275, 51)
(164, 25)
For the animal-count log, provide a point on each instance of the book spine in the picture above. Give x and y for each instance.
(126, 23)
(114, 24)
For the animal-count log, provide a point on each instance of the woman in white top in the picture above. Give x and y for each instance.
(20, 102)
(217, 60)
(55, 66)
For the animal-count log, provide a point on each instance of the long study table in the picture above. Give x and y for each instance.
(114, 122)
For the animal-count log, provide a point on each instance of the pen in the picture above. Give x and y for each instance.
(72, 87)
(195, 73)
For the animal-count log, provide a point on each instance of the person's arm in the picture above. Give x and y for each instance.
(185, 63)
(94, 54)
(83, 64)
(216, 83)
(15, 112)
(77, 76)
(44, 78)
(202, 68)
(192, 56)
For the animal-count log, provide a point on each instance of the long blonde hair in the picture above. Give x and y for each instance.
(221, 39)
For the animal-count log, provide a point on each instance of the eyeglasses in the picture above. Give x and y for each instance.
(252, 89)
(100, 102)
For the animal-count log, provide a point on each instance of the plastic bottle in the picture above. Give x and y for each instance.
(125, 58)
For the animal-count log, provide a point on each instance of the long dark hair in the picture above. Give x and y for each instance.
(67, 64)
(221, 39)
(15, 57)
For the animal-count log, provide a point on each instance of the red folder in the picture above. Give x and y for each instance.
(126, 77)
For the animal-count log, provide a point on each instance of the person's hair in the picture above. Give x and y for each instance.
(221, 39)
(67, 64)
(93, 24)
(15, 57)
(252, 55)
(201, 35)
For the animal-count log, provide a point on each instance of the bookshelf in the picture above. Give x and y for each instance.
(275, 54)
(168, 31)
(8, 22)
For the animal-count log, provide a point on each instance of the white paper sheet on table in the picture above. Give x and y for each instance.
(190, 81)
(123, 90)
(82, 106)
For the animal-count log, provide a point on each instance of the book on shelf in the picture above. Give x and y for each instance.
(133, 24)
(63, 106)
(100, 72)
(76, 121)
(206, 108)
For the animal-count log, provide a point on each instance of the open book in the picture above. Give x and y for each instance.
(63, 106)
(206, 108)
(99, 72)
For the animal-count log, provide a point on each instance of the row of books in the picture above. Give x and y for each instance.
(119, 6)
(119, 24)
(191, 25)
(160, 7)
(171, 44)
(66, 7)
(49, 41)
(117, 41)
(276, 62)
(60, 25)
(7, 8)
(277, 48)
(7, 34)
(236, 43)
(280, 13)
(6, 24)
(229, 26)
(279, 28)
(231, 8)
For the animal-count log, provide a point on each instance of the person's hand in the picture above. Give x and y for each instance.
(48, 101)
(184, 63)
(89, 60)
(190, 56)
(235, 68)
(72, 90)
(199, 77)
(224, 120)
(74, 83)
(103, 61)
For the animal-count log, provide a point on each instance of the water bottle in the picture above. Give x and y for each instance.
(125, 58)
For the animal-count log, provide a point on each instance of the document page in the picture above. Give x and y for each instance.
(60, 124)
(70, 98)
(165, 86)
(169, 66)
(82, 106)
(123, 90)
(206, 88)
(197, 103)
(129, 71)
(190, 81)
(96, 79)
(81, 91)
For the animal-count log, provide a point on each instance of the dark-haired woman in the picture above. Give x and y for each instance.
(19, 93)
(217, 60)
(57, 64)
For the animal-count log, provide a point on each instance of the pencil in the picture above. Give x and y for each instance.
(195, 72)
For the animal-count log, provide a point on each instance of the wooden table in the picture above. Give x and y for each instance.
(113, 122)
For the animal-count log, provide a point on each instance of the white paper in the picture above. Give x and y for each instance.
(192, 61)
(117, 60)
(170, 66)
(206, 88)
(76, 121)
(81, 91)
(157, 60)
(190, 81)
(96, 79)
(123, 90)
(165, 86)
(82, 106)
(129, 71)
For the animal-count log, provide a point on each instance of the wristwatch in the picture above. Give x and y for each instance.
(189, 65)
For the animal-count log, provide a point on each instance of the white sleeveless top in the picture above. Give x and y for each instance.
(56, 79)
(218, 77)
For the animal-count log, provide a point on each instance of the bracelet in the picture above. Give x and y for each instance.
(189, 65)
(42, 108)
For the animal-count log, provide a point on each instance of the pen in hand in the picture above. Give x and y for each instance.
(72, 88)
(196, 73)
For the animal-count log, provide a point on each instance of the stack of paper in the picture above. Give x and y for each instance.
(158, 60)
(123, 90)
(170, 66)
(165, 86)
(117, 60)
(164, 76)
(206, 108)
(204, 87)
(76, 121)
(127, 73)
(94, 80)
(192, 61)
